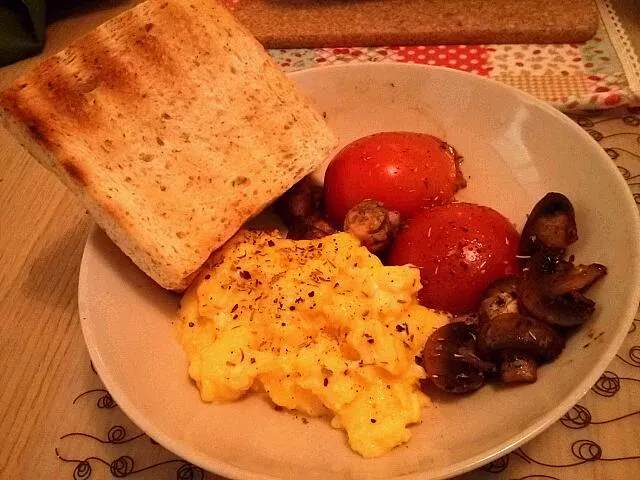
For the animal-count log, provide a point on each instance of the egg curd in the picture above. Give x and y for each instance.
(321, 326)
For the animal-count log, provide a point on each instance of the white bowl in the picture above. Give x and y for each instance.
(516, 149)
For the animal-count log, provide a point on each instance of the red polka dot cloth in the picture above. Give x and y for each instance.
(603, 72)
(470, 58)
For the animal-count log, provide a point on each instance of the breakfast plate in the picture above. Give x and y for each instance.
(515, 150)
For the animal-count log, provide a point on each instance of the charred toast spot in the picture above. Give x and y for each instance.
(79, 72)
(10, 100)
(38, 131)
(88, 85)
(154, 54)
(60, 98)
(240, 181)
(68, 101)
(76, 173)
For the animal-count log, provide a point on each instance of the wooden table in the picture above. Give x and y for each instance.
(52, 402)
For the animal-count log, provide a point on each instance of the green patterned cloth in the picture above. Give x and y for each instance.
(22, 24)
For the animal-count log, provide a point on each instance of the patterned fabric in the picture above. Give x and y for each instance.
(569, 76)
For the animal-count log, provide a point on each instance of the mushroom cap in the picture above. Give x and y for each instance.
(551, 226)
(373, 224)
(551, 290)
(518, 367)
(450, 359)
(519, 333)
(568, 277)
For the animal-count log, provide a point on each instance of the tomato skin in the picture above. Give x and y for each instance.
(407, 171)
(460, 248)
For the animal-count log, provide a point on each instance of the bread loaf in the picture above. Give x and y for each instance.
(172, 125)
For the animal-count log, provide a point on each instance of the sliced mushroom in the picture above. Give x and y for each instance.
(303, 201)
(568, 278)
(517, 332)
(552, 291)
(551, 226)
(450, 359)
(500, 297)
(519, 342)
(300, 208)
(310, 229)
(373, 224)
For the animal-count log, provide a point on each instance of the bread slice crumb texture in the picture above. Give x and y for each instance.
(173, 125)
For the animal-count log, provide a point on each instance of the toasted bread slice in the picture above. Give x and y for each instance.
(173, 126)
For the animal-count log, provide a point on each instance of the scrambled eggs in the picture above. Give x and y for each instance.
(320, 325)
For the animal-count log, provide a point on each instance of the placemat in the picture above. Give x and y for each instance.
(603, 72)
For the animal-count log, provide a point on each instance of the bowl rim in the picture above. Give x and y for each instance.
(183, 449)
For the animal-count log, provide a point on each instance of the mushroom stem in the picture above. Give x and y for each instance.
(518, 367)
(499, 297)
